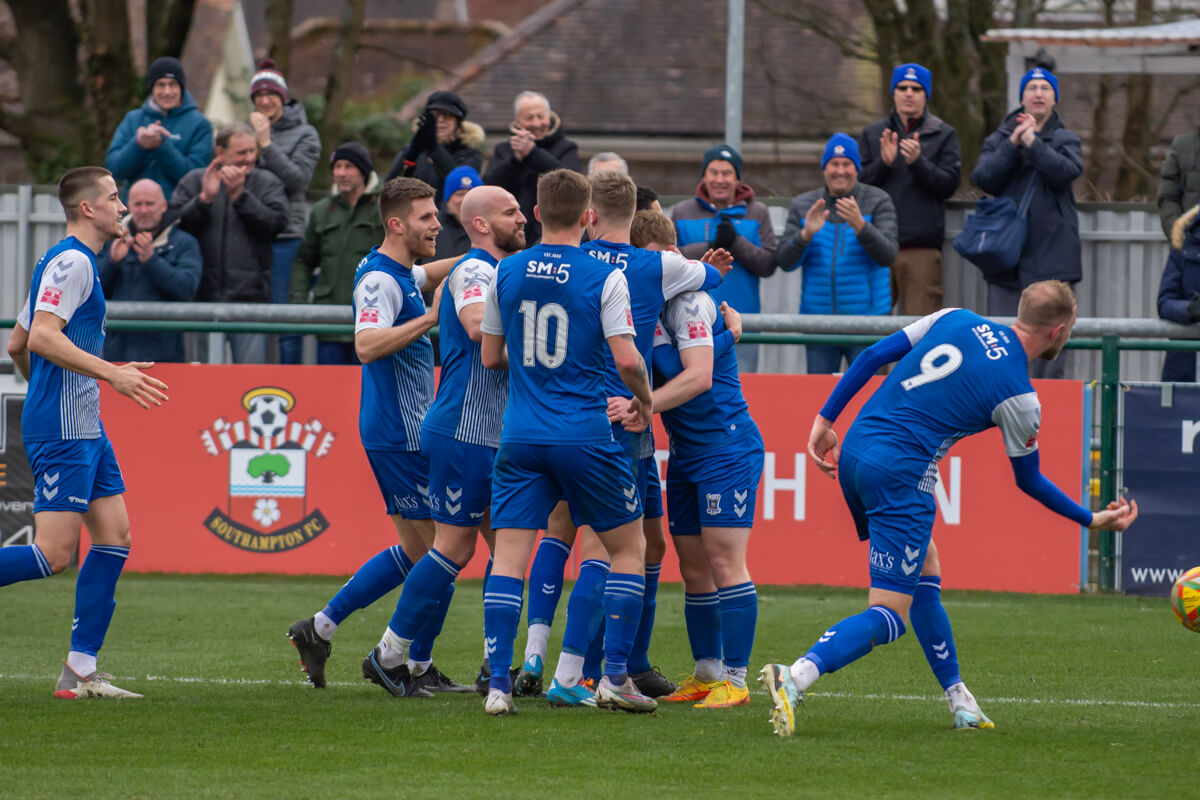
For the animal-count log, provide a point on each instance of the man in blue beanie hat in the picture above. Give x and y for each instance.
(914, 157)
(452, 238)
(843, 235)
(725, 214)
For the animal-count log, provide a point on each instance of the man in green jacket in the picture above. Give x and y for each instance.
(1179, 182)
(341, 230)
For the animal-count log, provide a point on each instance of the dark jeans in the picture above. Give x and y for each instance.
(283, 253)
(827, 359)
(336, 353)
(747, 357)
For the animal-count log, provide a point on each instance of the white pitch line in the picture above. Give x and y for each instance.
(923, 698)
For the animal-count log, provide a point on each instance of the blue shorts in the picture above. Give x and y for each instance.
(898, 520)
(460, 479)
(596, 480)
(69, 474)
(403, 477)
(717, 490)
(650, 488)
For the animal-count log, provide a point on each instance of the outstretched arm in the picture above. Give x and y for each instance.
(1118, 516)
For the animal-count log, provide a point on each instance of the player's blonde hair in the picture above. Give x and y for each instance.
(650, 227)
(562, 197)
(1046, 303)
(614, 195)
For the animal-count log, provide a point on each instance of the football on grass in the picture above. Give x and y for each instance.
(1185, 599)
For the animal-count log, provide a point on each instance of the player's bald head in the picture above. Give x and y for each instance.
(483, 201)
(1046, 304)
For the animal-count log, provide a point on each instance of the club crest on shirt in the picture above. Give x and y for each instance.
(268, 465)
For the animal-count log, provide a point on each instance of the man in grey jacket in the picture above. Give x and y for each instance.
(235, 211)
(288, 147)
(845, 238)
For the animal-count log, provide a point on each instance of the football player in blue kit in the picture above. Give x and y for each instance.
(547, 318)
(391, 339)
(958, 374)
(461, 432)
(653, 278)
(56, 344)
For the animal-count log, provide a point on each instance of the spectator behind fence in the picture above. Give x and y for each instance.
(914, 157)
(1032, 148)
(442, 141)
(155, 260)
(602, 162)
(235, 210)
(341, 230)
(1179, 181)
(844, 237)
(647, 200)
(1179, 291)
(164, 138)
(725, 214)
(537, 145)
(288, 148)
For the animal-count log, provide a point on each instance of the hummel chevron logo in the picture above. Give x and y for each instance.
(740, 497)
(941, 651)
(373, 287)
(692, 310)
(50, 479)
(48, 493)
(549, 588)
(827, 636)
(629, 492)
(630, 506)
(59, 277)
(907, 567)
(452, 508)
(911, 554)
(371, 301)
(739, 510)
(490, 642)
(74, 623)
(451, 494)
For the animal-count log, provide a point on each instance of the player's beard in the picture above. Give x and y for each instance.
(417, 245)
(511, 242)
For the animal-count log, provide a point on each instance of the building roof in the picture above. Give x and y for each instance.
(1182, 32)
(645, 67)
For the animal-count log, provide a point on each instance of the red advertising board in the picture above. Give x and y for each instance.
(260, 469)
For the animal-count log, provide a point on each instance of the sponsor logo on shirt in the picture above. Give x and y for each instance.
(473, 291)
(629, 317)
(51, 296)
(697, 329)
(1032, 441)
(369, 315)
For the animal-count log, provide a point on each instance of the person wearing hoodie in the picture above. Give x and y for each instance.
(164, 138)
(724, 214)
(155, 260)
(844, 236)
(1032, 150)
(342, 229)
(537, 146)
(1179, 291)
(442, 140)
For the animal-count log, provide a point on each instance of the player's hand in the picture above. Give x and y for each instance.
(639, 416)
(262, 128)
(120, 248)
(814, 220)
(911, 148)
(618, 409)
(436, 304)
(210, 182)
(887, 146)
(733, 320)
(143, 389)
(143, 245)
(848, 210)
(823, 446)
(720, 258)
(1118, 516)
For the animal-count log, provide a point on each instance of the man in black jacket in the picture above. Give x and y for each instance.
(537, 145)
(443, 140)
(914, 157)
(235, 210)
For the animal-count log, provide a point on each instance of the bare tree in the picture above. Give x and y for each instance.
(1134, 176)
(337, 89)
(279, 28)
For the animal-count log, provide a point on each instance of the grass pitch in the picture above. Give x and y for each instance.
(1092, 697)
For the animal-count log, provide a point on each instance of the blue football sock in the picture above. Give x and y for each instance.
(501, 616)
(421, 609)
(932, 627)
(739, 613)
(546, 580)
(639, 656)
(702, 616)
(593, 663)
(622, 613)
(95, 596)
(854, 637)
(383, 572)
(23, 563)
(585, 607)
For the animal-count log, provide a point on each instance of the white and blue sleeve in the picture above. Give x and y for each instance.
(378, 299)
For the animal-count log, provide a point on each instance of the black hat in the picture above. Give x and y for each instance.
(356, 154)
(165, 67)
(447, 101)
